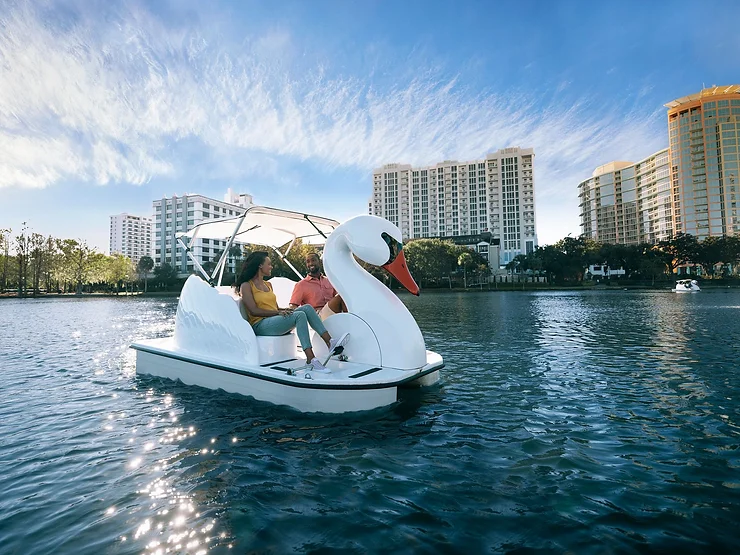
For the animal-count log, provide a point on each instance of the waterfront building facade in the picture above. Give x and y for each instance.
(130, 236)
(173, 215)
(628, 203)
(451, 199)
(704, 134)
(690, 187)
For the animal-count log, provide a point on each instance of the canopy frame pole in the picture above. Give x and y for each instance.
(290, 246)
(189, 252)
(224, 256)
(285, 259)
(314, 225)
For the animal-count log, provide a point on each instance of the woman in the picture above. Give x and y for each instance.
(267, 319)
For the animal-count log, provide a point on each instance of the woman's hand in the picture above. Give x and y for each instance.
(285, 311)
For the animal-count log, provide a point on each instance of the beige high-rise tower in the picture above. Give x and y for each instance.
(627, 203)
(704, 132)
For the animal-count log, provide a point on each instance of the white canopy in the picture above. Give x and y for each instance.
(266, 226)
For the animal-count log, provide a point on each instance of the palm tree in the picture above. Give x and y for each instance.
(464, 260)
(145, 265)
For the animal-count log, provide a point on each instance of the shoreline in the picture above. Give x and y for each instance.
(90, 295)
(436, 290)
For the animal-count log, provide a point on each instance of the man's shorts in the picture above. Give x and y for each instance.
(325, 312)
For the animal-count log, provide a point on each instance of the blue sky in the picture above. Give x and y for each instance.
(106, 106)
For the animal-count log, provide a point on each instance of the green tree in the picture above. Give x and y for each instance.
(465, 260)
(76, 259)
(5, 235)
(429, 259)
(520, 263)
(472, 258)
(572, 256)
(119, 271)
(65, 270)
(165, 275)
(22, 255)
(98, 270)
(730, 252)
(37, 260)
(143, 267)
(617, 256)
(550, 260)
(710, 252)
(651, 265)
(51, 261)
(679, 249)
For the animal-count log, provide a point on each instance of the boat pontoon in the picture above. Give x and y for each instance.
(214, 346)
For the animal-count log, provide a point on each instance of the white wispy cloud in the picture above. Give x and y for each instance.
(105, 95)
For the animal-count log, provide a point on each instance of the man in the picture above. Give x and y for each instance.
(316, 290)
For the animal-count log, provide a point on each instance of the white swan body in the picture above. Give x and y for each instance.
(687, 286)
(399, 339)
(207, 323)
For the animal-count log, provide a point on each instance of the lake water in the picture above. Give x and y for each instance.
(585, 422)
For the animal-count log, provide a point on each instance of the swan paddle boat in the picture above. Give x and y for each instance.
(214, 346)
(687, 286)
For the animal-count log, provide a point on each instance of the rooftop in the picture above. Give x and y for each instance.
(705, 94)
(611, 167)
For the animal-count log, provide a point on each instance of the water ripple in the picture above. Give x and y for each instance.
(582, 422)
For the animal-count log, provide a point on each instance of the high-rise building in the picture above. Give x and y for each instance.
(704, 134)
(627, 203)
(452, 199)
(175, 214)
(131, 236)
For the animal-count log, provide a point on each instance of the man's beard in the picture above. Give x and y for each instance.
(314, 271)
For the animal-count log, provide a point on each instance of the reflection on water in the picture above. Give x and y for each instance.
(581, 422)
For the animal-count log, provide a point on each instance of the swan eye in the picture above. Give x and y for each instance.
(393, 246)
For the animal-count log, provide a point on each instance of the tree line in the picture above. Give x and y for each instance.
(32, 264)
(567, 260)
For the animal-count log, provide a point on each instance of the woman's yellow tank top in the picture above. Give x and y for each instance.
(265, 300)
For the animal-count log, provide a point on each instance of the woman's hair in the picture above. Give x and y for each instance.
(250, 268)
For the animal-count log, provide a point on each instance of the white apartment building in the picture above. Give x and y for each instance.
(131, 236)
(175, 214)
(456, 199)
(628, 203)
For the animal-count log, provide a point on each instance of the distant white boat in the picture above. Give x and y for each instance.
(215, 347)
(687, 286)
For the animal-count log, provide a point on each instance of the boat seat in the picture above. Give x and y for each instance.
(277, 348)
(272, 348)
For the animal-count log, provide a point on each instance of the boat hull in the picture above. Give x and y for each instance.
(349, 388)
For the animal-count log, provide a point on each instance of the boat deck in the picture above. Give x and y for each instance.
(346, 375)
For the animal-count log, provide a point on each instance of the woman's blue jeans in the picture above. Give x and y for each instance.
(302, 317)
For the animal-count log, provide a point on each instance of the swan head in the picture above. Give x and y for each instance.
(378, 242)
